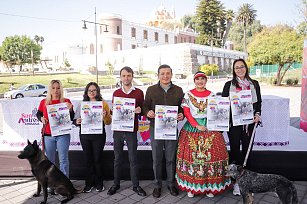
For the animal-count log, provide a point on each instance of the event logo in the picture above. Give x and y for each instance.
(29, 118)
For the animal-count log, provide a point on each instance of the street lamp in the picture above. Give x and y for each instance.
(106, 30)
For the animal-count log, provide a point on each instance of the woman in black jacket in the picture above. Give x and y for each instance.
(242, 133)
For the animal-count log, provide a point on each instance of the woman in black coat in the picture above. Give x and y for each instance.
(242, 134)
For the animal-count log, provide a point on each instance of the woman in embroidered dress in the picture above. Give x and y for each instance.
(202, 155)
(242, 134)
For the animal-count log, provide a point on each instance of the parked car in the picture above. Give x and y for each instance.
(28, 90)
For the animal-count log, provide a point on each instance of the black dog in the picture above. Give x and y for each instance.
(252, 182)
(46, 173)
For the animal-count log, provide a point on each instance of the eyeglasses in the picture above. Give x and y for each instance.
(92, 91)
(242, 67)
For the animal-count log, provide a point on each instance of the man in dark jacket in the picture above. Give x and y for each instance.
(163, 93)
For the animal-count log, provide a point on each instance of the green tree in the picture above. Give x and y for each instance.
(209, 69)
(36, 39)
(211, 22)
(229, 19)
(246, 15)
(280, 45)
(188, 22)
(236, 34)
(16, 50)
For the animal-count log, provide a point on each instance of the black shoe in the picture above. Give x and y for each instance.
(139, 191)
(156, 193)
(99, 188)
(113, 189)
(87, 189)
(173, 191)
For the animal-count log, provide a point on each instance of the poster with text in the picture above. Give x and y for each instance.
(59, 119)
(123, 114)
(241, 107)
(218, 113)
(166, 122)
(91, 115)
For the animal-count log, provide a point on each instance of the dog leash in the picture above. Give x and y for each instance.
(250, 145)
(43, 140)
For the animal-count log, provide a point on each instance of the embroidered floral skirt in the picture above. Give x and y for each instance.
(201, 161)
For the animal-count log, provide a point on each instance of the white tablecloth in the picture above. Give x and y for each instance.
(20, 124)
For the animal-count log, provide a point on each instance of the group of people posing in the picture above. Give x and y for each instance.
(195, 162)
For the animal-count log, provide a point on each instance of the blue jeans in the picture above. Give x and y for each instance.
(61, 144)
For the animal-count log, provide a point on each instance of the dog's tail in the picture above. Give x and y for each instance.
(294, 194)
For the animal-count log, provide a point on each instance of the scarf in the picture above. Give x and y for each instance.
(244, 84)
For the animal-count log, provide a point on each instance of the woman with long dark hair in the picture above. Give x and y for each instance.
(242, 134)
(93, 144)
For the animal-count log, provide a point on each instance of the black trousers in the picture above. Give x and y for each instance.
(131, 139)
(93, 152)
(159, 147)
(237, 135)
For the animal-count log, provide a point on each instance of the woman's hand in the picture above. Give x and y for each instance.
(69, 105)
(201, 128)
(257, 118)
(44, 120)
(180, 116)
(150, 114)
(78, 121)
(138, 110)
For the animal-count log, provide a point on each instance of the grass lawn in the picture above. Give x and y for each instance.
(68, 80)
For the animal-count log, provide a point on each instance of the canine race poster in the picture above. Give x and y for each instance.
(59, 119)
(218, 113)
(166, 122)
(91, 115)
(123, 114)
(241, 107)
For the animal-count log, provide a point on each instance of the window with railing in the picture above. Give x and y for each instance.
(166, 38)
(145, 35)
(156, 36)
(133, 32)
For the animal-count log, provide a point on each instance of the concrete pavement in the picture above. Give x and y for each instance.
(22, 190)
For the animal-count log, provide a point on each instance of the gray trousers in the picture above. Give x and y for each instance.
(131, 140)
(170, 148)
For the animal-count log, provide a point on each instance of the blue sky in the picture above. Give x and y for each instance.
(59, 21)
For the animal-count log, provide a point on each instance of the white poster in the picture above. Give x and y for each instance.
(59, 119)
(166, 122)
(241, 107)
(123, 114)
(218, 113)
(91, 115)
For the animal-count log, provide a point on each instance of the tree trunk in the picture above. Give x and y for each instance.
(280, 74)
(244, 36)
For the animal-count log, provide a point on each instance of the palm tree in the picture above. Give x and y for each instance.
(36, 39)
(41, 40)
(246, 16)
(229, 18)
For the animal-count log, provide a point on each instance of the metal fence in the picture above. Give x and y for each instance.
(270, 70)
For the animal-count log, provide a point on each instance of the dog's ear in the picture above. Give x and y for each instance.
(239, 168)
(35, 143)
(28, 142)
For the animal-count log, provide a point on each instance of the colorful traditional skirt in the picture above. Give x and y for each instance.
(201, 161)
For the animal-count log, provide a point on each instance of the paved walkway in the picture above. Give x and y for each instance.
(21, 191)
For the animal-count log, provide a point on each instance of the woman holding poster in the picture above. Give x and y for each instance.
(93, 142)
(56, 142)
(202, 154)
(241, 81)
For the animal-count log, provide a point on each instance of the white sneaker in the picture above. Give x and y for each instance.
(209, 195)
(190, 195)
(236, 190)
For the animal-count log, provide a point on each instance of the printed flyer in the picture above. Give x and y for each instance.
(218, 113)
(59, 119)
(241, 107)
(166, 122)
(123, 114)
(91, 115)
